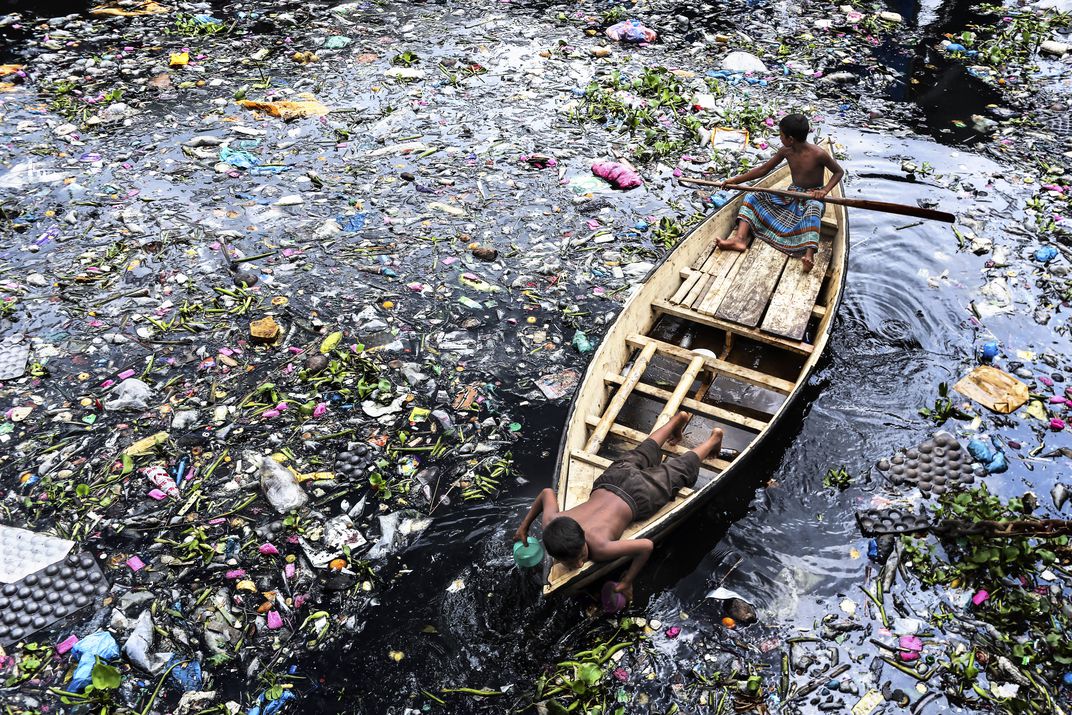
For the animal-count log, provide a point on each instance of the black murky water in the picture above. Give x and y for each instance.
(904, 326)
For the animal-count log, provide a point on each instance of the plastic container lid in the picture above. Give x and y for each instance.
(528, 554)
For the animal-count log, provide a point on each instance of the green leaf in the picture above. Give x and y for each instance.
(82, 490)
(128, 464)
(330, 342)
(1047, 556)
(106, 677)
(590, 673)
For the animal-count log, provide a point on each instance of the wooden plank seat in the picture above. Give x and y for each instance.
(738, 372)
(743, 288)
(791, 304)
(720, 414)
(636, 437)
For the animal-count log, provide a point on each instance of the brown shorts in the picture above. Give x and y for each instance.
(645, 484)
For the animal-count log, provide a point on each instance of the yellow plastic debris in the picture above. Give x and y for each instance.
(265, 329)
(146, 8)
(147, 445)
(179, 59)
(994, 389)
(288, 109)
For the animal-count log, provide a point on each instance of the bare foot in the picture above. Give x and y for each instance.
(680, 420)
(732, 244)
(808, 263)
(715, 440)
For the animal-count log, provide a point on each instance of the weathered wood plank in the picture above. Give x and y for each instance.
(790, 307)
(636, 437)
(686, 286)
(684, 384)
(697, 290)
(759, 336)
(751, 290)
(618, 401)
(720, 414)
(725, 272)
(744, 374)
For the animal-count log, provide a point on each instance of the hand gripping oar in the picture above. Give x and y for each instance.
(885, 206)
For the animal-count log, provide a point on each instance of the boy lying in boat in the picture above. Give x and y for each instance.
(789, 225)
(631, 489)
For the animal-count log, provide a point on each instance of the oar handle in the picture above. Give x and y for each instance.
(867, 204)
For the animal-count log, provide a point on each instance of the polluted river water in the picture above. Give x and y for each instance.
(149, 218)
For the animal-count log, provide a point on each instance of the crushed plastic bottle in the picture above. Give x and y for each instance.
(280, 485)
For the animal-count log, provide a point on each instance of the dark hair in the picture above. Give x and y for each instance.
(563, 538)
(796, 126)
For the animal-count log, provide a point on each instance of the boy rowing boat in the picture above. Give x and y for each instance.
(790, 225)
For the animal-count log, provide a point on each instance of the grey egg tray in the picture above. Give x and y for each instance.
(936, 466)
(355, 460)
(14, 353)
(49, 595)
(876, 522)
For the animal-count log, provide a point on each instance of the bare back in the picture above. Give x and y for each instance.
(603, 517)
(807, 162)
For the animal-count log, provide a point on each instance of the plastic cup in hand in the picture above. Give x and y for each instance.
(528, 554)
(612, 600)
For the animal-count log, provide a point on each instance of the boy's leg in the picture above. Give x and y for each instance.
(738, 240)
(671, 430)
(710, 445)
(808, 260)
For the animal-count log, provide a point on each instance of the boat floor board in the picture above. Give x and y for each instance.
(725, 271)
(750, 292)
(636, 437)
(718, 414)
(744, 374)
(790, 306)
(792, 345)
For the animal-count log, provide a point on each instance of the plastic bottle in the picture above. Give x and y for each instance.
(280, 485)
(159, 478)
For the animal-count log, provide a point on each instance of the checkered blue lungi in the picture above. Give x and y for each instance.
(790, 225)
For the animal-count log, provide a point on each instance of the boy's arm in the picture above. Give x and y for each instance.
(837, 174)
(639, 549)
(545, 502)
(759, 171)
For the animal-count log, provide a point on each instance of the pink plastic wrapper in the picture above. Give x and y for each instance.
(66, 644)
(268, 549)
(621, 176)
(275, 621)
(631, 31)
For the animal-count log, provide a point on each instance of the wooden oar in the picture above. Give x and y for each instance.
(885, 206)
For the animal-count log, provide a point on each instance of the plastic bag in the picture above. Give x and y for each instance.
(140, 642)
(280, 485)
(631, 31)
(620, 175)
(130, 394)
(96, 645)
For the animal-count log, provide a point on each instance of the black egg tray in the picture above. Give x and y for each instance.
(936, 466)
(876, 522)
(49, 595)
(354, 462)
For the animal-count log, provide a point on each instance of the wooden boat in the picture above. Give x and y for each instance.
(767, 320)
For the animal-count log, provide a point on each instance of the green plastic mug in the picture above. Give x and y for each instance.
(529, 554)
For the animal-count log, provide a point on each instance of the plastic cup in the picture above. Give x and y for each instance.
(612, 600)
(528, 554)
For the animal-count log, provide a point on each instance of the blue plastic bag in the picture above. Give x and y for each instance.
(188, 677)
(96, 645)
(272, 707)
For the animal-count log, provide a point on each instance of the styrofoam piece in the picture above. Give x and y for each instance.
(23, 552)
(14, 354)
